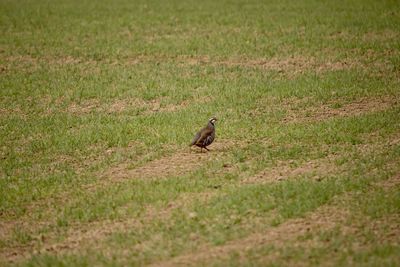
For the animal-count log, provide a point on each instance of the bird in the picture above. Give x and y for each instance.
(205, 136)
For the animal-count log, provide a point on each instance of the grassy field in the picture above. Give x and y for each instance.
(100, 99)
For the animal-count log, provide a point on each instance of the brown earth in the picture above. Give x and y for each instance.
(314, 168)
(129, 104)
(301, 113)
(180, 163)
(292, 65)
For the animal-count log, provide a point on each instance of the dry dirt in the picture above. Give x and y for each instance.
(292, 65)
(298, 113)
(180, 163)
(372, 36)
(129, 104)
(283, 170)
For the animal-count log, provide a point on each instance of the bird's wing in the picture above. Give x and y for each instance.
(204, 133)
(209, 139)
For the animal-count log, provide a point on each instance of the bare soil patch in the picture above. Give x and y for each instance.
(129, 104)
(95, 105)
(284, 170)
(59, 60)
(4, 112)
(391, 183)
(29, 63)
(84, 107)
(296, 64)
(291, 66)
(371, 36)
(180, 163)
(299, 113)
(381, 36)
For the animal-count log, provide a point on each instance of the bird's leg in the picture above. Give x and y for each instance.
(207, 149)
(201, 150)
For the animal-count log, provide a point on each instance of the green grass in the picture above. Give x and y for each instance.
(91, 86)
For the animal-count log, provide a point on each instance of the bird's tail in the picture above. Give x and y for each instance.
(194, 141)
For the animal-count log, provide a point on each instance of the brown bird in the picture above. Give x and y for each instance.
(205, 136)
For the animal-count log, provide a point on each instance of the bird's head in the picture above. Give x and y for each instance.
(212, 120)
